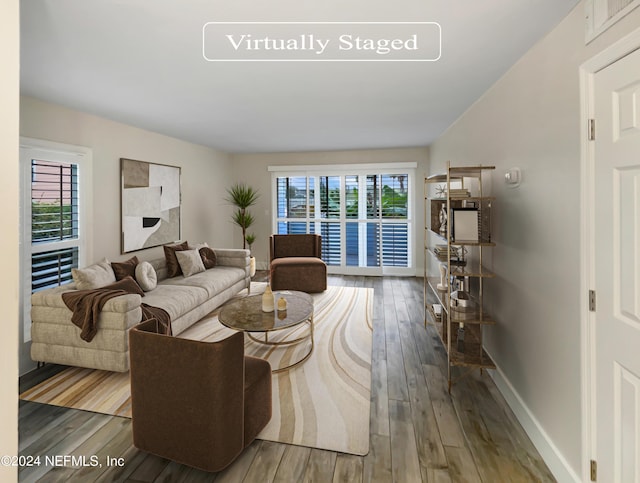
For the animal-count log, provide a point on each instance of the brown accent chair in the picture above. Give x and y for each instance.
(296, 263)
(196, 403)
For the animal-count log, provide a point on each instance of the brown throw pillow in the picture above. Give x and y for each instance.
(208, 257)
(125, 269)
(173, 267)
(128, 284)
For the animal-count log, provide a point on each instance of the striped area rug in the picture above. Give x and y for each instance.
(322, 403)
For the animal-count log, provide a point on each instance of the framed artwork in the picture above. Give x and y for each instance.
(464, 224)
(150, 201)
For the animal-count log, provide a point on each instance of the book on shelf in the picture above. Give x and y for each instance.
(459, 193)
(444, 253)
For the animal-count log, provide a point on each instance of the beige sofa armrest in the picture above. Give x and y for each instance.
(232, 257)
(52, 297)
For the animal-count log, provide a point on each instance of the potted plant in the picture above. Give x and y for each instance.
(242, 197)
(250, 238)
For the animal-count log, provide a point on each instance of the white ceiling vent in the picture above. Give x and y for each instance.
(602, 14)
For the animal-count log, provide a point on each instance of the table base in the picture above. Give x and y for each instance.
(288, 342)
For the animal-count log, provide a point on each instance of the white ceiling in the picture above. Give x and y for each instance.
(140, 63)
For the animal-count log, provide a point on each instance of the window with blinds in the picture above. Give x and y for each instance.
(363, 218)
(52, 268)
(54, 223)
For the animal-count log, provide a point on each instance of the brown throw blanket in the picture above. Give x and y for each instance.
(87, 305)
(162, 317)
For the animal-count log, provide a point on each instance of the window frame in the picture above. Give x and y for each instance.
(31, 149)
(362, 171)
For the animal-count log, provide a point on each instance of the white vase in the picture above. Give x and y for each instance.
(252, 266)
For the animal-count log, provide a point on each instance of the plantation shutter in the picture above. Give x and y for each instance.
(363, 216)
(54, 223)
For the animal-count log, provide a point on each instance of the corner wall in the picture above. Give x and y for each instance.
(9, 199)
(205, 175)
(531, 119)
(253, 170)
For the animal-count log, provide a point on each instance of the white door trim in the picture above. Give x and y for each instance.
(611, 54)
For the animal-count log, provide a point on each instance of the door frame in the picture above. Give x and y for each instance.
(587, 71)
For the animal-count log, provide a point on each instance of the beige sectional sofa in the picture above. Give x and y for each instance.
(187, 299)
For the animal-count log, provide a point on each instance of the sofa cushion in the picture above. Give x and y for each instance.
(213, 281)
(128, 284)
(190, 262)
(173, 267)
(160, 266)
(208, 257)
(93, 276)
(176, 299)
(125, 269)
(207, 254)
(298, 262)
(146, 276)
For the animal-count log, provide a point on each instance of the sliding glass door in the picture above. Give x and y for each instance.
(364, 216)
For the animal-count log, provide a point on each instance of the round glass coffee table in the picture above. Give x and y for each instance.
(246, 315)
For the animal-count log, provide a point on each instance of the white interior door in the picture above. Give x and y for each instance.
(617, 271)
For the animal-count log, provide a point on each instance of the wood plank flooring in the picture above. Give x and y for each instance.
(419, 432)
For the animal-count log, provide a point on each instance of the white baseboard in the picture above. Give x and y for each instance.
(541, 440)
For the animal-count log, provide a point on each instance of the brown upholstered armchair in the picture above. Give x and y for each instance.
(196, 403)
(296, 263)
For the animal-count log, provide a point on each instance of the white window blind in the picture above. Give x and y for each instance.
(54, 219)
(362, 213)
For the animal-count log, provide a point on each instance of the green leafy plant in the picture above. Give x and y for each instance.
(242, 197)
(250, 238)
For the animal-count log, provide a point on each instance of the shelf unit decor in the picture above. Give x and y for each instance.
(456, 204)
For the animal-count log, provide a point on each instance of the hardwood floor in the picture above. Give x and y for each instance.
(419, 432)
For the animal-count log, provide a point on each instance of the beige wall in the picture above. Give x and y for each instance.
(204, 177)
(9, 200)
(253, 170)
(531, 119)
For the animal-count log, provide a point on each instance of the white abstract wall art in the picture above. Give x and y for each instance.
(150, 204)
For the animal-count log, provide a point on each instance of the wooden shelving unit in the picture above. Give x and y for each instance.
(463, 260)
